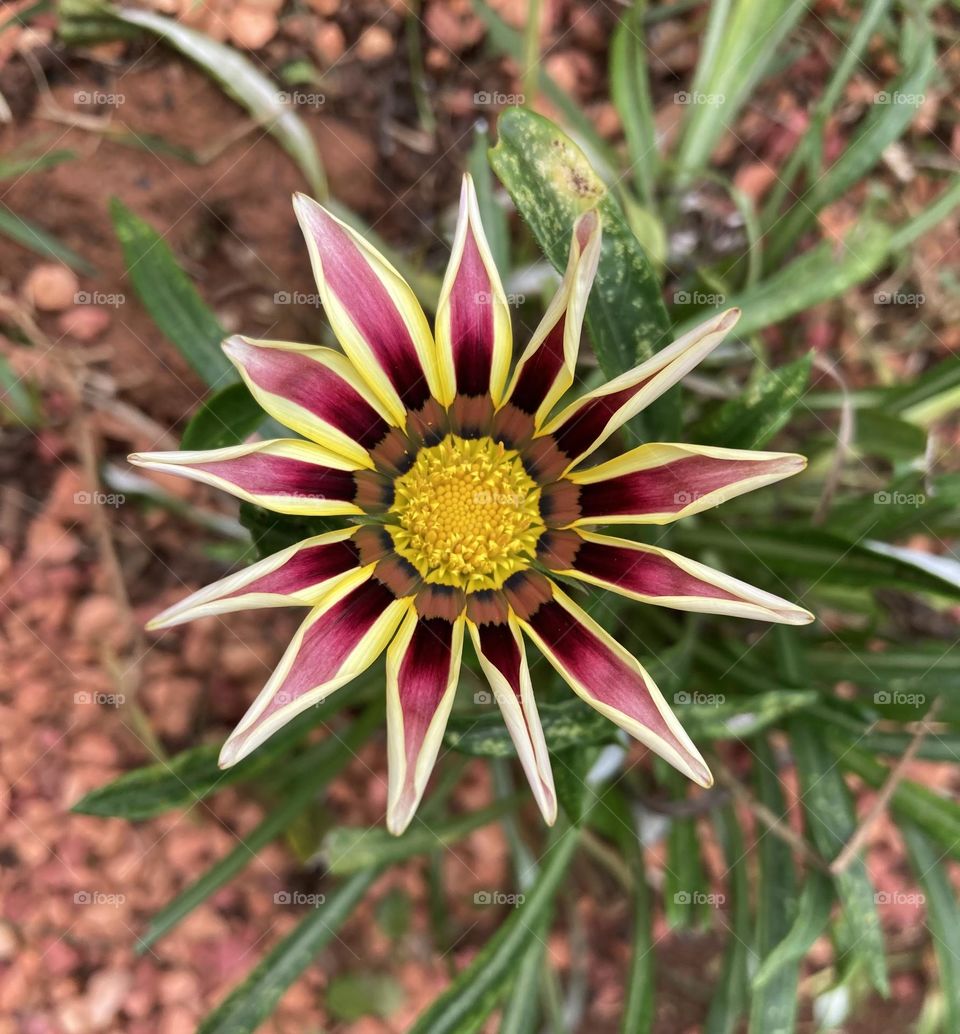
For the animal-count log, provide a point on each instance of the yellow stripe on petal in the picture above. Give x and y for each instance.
(423, 667)
(662, 482)
(373, 311)
(284, 475)
(585, 424)
(298, 576)
(473, 327)
(503, 659)
(338, 641)
(611, 680)
(546, 368)
(313, 391)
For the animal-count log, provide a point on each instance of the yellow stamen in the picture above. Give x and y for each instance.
(466, 514)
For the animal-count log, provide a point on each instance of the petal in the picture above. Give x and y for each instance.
(588, 422)
(546, 368)
(611, 680)
(374, 313)
(654, 575)
(340, 638)
(423, 666)
(313, 391)
(295, 577)
(504, 661)
(474, 334)
(660, 483)
(284, 475)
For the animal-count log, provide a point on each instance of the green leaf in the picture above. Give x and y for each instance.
(18, 399)
(824, 272)
(813, 914)
(799, 551)
(773, 1006)
(832, 821)
(475, 991)
(743, 37)
(354, 995)
(552, 183)
(522, 1007)
(170, 298)
(252, 1002)
(755, 416)
(943, 915)
(687, 900)
(227, 417)
(741, 718)
(303, 779)
(242, 81)
(12, 167)
(347, 849)
(630, 91)
(39, 241)
(193, 775)
(886, 122)
(570, 723)
(272, 532)
(730, 997)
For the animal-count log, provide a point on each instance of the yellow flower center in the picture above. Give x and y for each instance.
(466, 513)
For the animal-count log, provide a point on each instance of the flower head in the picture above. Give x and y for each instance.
(468, 495)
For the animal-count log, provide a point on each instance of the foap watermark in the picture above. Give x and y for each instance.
(300, 898)
(712, 100)
(912, 298)
(496, 99)
(487, 298)
(699, 298)
(699, 699)
(114, 301)
(498, 897)
(99, 699)
(303, 98)
(698, 897)
(99, 98)
(296, 298)
(915, 499)
(686, 497)
(114, 499)
(913, 100)
(899, 699)
(98, 897)
(487, 498)
(899, 897)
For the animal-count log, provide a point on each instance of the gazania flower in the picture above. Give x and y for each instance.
(467, 493)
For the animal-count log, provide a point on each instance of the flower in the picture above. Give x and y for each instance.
(467, 497)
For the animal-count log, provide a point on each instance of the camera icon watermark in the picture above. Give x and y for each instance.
(686, 497)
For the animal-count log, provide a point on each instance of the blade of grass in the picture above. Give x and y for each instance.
(38, 240)
(252, 1002)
